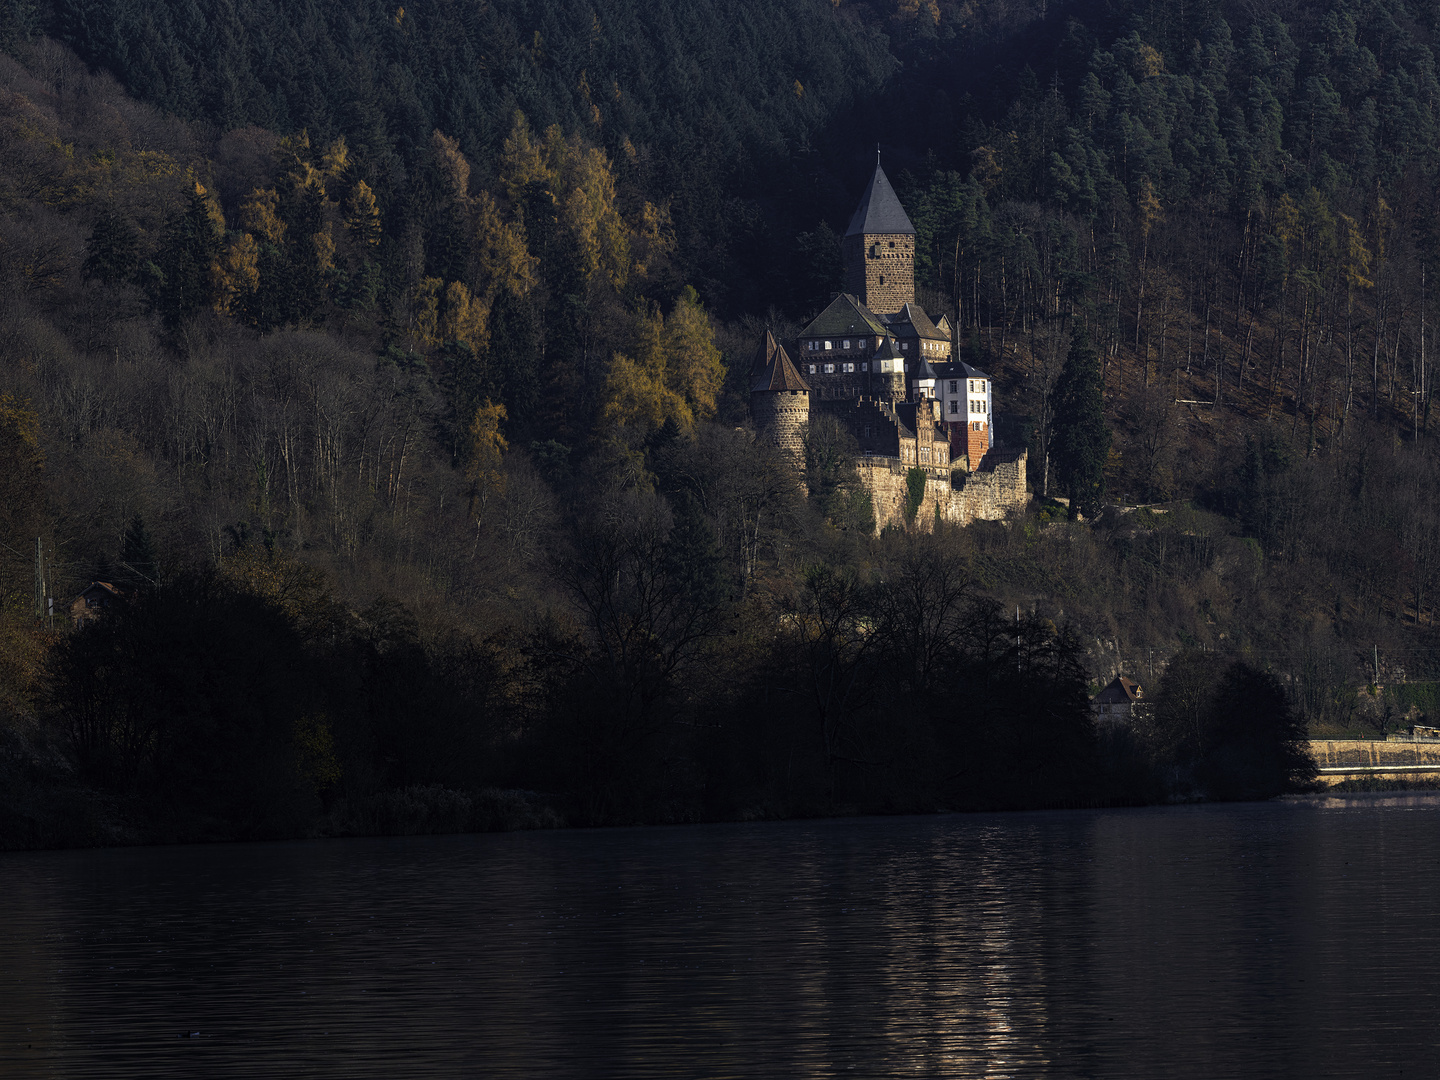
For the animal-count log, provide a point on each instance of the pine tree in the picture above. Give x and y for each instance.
(186, 276)
(1080, 442)
(111, 251)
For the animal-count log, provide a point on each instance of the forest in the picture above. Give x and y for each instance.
(393, 366)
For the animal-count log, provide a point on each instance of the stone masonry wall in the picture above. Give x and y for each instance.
(1374, 757)
(782, 416)
(869, 259)
(988, 494)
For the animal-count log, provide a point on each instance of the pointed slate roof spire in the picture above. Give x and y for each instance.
(887, 350)
(772, 369)
(879, 210)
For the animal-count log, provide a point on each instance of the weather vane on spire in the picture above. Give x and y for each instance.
(877, 154)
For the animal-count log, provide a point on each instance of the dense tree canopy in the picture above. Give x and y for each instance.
(378, 331)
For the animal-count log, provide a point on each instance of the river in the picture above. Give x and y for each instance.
(1290, 939)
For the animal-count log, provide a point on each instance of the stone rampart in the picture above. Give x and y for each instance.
(989, 494)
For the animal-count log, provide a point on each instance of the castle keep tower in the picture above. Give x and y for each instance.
(878, 250)
(779, 398)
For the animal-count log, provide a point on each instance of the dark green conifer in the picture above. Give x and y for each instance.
(1080, 443)
(180, 282)
(111, 251)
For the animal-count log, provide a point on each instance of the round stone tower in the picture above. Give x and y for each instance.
(779, 399)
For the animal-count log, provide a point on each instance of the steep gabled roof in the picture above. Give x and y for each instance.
(915, 315)
(1120, 691)
(844, 315)
(879, 210)
(772, 369)
(958, 369)
(907, 419)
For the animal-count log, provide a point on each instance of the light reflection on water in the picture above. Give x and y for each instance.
(1287, 939)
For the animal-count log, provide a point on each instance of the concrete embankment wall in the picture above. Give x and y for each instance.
(1342, 759)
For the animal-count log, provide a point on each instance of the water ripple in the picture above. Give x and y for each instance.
(1277, 940)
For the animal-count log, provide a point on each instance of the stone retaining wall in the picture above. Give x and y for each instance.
(1373, 757)
(988, 494)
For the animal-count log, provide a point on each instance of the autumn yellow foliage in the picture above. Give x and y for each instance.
(675, 370)
(486, 452)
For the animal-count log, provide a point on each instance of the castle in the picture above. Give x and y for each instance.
(875, 361)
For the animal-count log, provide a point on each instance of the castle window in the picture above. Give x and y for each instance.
(812, 369)
(845, 344)
(882, 279)
(827, 346)
(954, 386)
(848, 367)
(864, 366)
(954, 406)
(905, 346)
(925, 454)
(892, 243)
(829, 369)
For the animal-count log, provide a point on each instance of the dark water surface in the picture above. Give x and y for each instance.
(1295, 939)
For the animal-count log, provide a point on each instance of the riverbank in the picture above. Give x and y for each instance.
(44, 806)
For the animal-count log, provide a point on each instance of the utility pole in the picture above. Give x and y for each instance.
(1419, 392)
(39, 579)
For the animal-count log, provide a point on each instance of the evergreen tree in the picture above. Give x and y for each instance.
(184, 278)
(1080, 439)
(111, 251)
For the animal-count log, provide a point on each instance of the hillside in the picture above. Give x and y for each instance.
(417, 387)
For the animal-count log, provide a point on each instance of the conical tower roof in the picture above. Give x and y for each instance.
(879, 210)
(887, 350)
(772, 370)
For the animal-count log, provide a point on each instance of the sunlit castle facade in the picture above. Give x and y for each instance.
(874, 342)
(877, 363)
